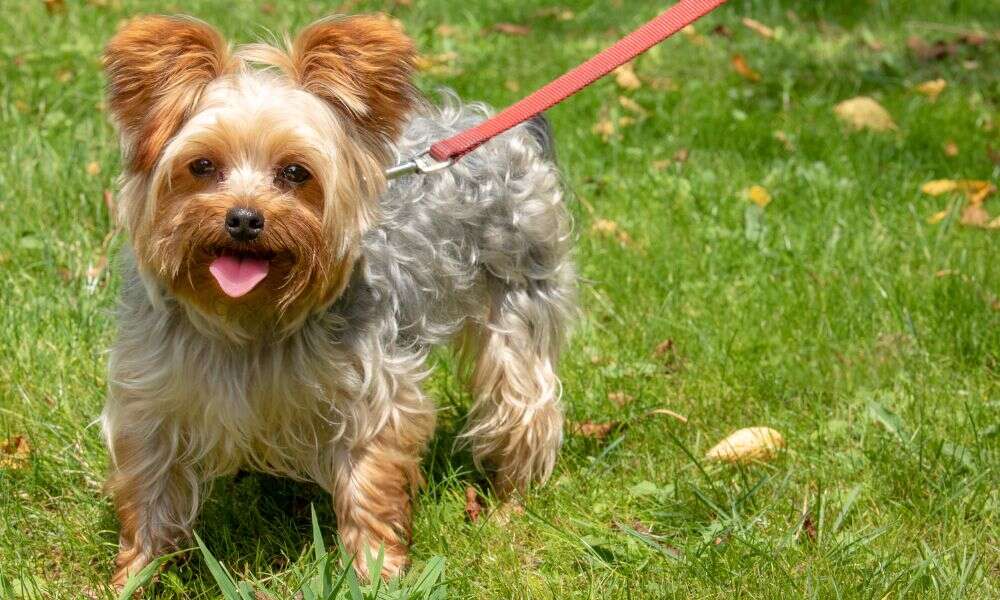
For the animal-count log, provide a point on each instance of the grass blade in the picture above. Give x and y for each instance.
(144, 576)
(852, 497)
(222, 579)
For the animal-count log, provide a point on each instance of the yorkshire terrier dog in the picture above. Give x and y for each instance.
(280, 297)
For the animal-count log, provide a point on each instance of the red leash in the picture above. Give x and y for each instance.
(444, 153)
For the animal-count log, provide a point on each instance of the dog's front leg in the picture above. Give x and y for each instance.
(154, 496)
(375, 482)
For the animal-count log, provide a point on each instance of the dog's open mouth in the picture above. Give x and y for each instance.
(239, 272)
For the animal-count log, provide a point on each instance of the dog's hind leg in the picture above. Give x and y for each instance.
(515, 424)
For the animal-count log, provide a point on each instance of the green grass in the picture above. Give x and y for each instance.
(838, 315)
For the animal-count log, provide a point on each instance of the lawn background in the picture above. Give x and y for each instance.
(837, 314)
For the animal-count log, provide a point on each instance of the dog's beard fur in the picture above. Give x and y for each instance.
(315, 373)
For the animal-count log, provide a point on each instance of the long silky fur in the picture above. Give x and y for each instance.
(480, 249)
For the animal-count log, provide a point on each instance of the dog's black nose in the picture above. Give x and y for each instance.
(244, 224)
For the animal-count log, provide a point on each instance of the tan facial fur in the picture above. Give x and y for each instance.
(178, 94)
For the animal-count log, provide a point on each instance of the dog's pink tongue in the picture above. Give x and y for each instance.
(238, 275)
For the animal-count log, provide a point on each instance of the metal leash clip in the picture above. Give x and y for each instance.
(423, 164)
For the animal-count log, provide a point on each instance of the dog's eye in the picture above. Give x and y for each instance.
(200, 167)
(294, 173)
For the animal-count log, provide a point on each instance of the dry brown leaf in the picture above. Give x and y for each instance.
(937, 217)
(632, 106)
(950, 148)
(932, 89)
(681, 155)
(511, 29)
(759, 28)
(619, 398)
(14, 452)
(626, 121)
(759, 195)
(927, 52)
(512, 85)
(863, 112)
(473, 508)
(64, 75)
(664, 347)
(974, 215)
(267, 8)
(54, 6)
(747, 445)
(742, 69)
(626, 78)
(659, 165)
(809, 527)
(722, 31)
(597, 431)
(782, 137)
(93, 168)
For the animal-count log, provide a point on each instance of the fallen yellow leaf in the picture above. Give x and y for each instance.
(14, 452)
(975, 189)
(758, 195)
(626, 78)
(632, 106)
(863, 112)
(932, 89)
(950, 148)
(437, 64)
(762, 30)
(747, 445)
(604, 128)
(742, 69)
(511, 29)
(93, 168)
(609, 228)
(937, 217)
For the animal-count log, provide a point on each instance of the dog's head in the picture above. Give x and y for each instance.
(246, 190)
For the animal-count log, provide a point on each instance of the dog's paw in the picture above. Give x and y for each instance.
(394, 563)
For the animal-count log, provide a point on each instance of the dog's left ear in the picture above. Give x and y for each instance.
(362, 66)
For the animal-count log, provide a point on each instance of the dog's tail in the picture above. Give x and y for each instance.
(541, 129)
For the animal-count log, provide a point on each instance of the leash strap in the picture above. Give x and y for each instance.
(675, 18)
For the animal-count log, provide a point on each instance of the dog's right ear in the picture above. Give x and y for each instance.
(157, 68)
